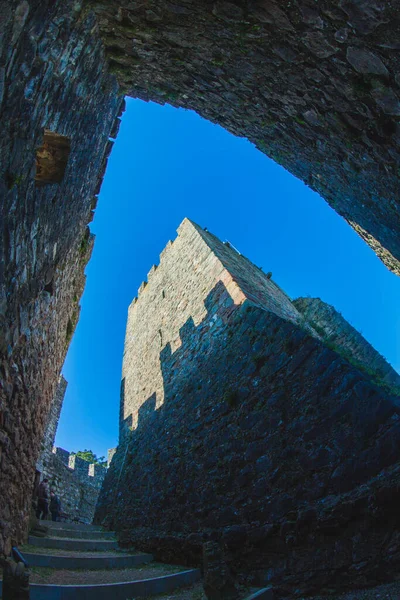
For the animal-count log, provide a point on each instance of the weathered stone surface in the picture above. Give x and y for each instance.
(52, 424)
(168, 306)
(258, 68)
(218, 582)
(334, 328)
(256, 435)
(76, 482)
(15, 581)
(54, 79)
(366, 62)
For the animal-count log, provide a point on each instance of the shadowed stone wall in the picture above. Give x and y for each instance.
(51, 429)
(315, 85)
(246, 428)
(271, 443)
(339, 333)
(189, 268)
(52, 77)
(77, 483)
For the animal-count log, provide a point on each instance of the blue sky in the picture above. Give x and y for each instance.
(168, 164)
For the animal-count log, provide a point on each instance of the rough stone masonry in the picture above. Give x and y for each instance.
(238, 424)
(76, 481)
(314, 85)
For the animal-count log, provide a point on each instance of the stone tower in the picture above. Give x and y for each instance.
(239, 423)
(190, 269)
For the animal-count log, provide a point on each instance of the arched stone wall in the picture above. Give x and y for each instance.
(315, 85)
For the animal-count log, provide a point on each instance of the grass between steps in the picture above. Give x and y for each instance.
(78, 553)
(46, 575)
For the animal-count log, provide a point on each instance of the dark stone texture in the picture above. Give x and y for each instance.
(312, 84)
(52, 78)
(336, 331)
(218, 582)
(15, 581)
(288, 477)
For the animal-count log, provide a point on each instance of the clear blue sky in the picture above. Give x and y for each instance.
(168, 164)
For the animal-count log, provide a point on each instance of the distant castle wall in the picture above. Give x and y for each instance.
(345, 338)
(76, 481)
(110, 455)
(78, 488)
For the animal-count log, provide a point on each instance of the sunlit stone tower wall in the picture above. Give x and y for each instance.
(175, 291)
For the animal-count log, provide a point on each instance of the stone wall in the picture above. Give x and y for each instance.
(245, 427)
(52, 424)
(314, 85)
(173, 295)
(338, 332)
(52, 77)
(273, 444)
(77, 483)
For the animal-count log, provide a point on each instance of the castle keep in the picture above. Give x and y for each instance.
(173, 296)
(239, 423)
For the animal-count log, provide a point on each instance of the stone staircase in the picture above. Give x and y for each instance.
(83, 562)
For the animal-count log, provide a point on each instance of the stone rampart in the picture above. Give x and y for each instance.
(269, 442)
(62, 454)
(189, 269)
(51, 429)
(240, 424)
(341, 335)
(77, 483)
(52, 79)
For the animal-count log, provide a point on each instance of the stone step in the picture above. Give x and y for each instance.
(116, 560)
(81, 535)
(116, 591)
(75, 526)
(71, 543)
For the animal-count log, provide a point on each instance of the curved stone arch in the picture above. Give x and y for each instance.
(312, 85)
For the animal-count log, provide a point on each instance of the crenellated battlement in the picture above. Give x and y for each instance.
(152, 271)
(90, 472)
(76, 481)
(190, 267)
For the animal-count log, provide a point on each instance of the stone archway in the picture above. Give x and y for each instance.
(313, 85)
